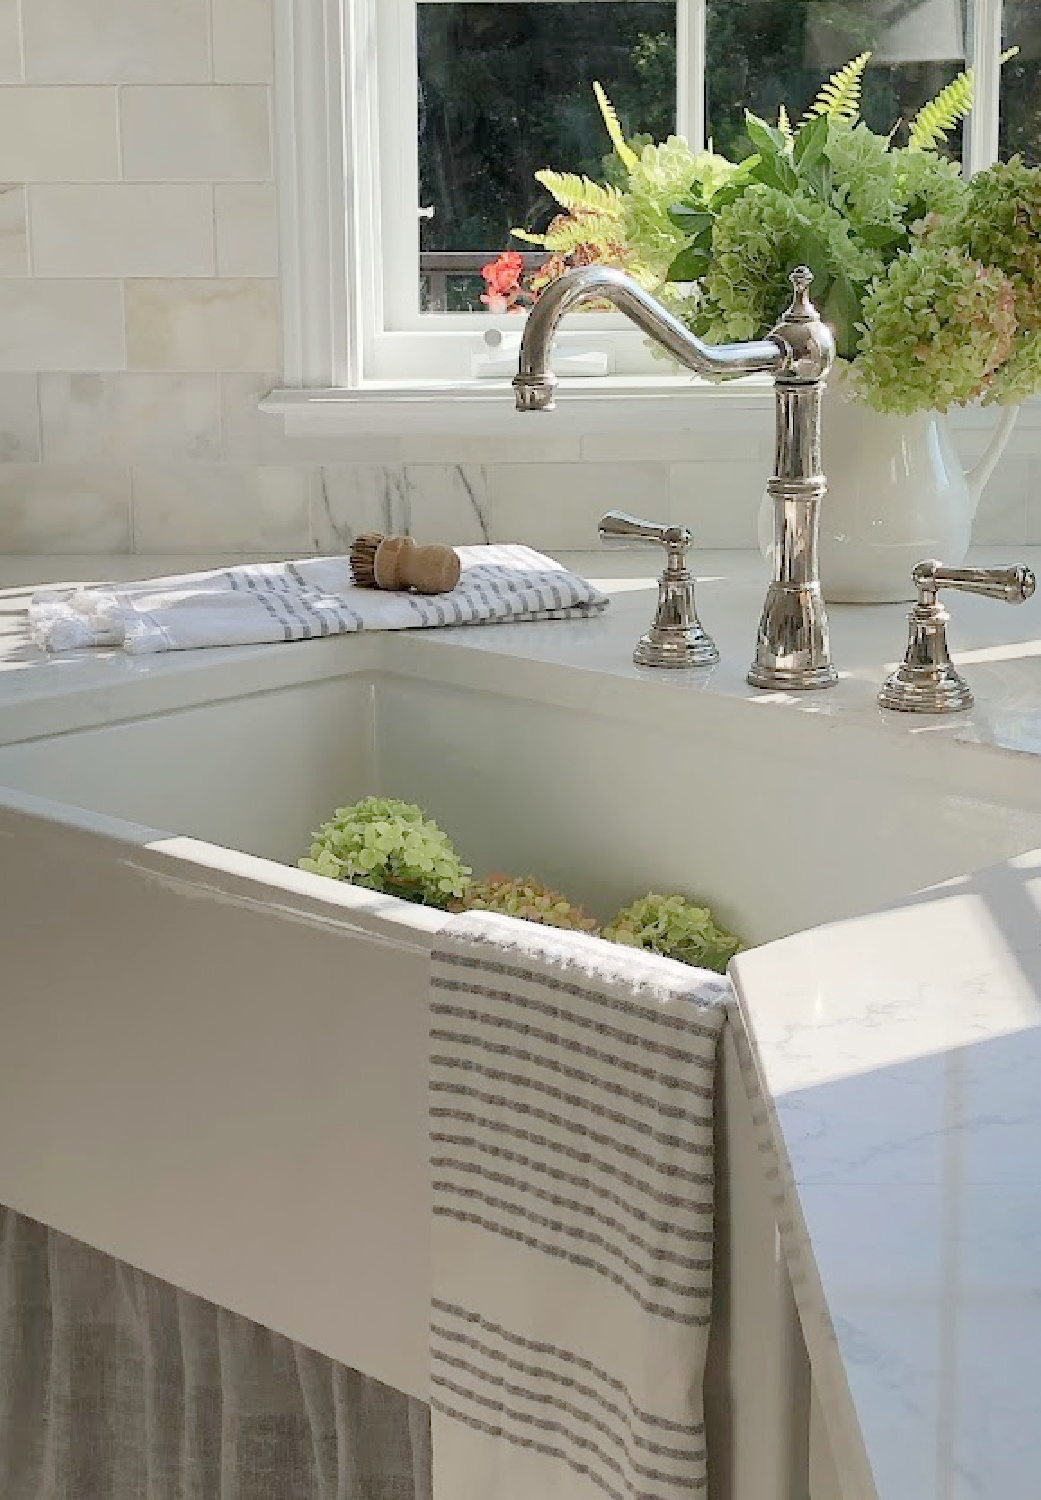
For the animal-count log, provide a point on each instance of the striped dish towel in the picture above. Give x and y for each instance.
(571, 1094)
(258, 603)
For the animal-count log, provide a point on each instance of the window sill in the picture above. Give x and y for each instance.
(485, 408)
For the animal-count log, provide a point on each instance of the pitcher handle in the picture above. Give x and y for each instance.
(978, 475)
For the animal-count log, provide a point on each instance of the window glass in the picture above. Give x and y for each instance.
(505, 89)
(761, 53)
(1020, 129)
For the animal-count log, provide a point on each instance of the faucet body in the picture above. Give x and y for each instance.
(792, 647)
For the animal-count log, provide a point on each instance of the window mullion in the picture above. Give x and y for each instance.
(690, 71)
(986, 69)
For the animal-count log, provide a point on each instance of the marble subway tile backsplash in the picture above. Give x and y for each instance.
(243, 41)
(140, 323)
(202, 325)
(208, 133)
(130, 418)
(14, 231)
(61, 325)
(58, 508)
(10, 43)
(58, 135)
(246, 223)
(221, 508)
(104, 41)
(19, 420)
(122, 229)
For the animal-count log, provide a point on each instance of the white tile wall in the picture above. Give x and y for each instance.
(10, 42)
(58, 135)
(61, 325)
(14, 235)
(207, 133)
(122, 229)
(202, 325)
(122, 418)
(246, 221)
(223, 508)
(243, 45)
(54, 508)
(116, 41)
(140, 321)
(19, 420)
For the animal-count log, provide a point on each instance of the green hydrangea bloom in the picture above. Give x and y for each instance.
(1002, 228)
(1020, 375)
(526, 898)
(676, 928)
(935, 326)
(876, 187)
(756, 242)
(389, 846)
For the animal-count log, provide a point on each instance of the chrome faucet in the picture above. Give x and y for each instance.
(792, 649)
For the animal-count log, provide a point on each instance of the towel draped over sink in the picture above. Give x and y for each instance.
(571, 1115)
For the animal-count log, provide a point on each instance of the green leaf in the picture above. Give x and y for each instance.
(691, 220)
(777, 172)
(881, 236)
(810, 142)
(841, 308)
(817, 179)
(764, 137)
(935, 118)
(690, 264)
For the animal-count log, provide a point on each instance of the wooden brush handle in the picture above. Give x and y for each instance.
(401, 564)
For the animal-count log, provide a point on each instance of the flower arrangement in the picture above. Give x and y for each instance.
(503, 291)
(931, 283)
(389, 846)
(394, 847)
(527, 898)
(676, 928)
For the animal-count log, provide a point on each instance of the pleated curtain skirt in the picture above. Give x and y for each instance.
(117, 1386)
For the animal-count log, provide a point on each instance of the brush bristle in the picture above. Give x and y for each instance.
(363, 558)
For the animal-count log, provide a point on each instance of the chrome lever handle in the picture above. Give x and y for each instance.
(1010, 585)
(619, 526)
(927, 681)
(676, 639)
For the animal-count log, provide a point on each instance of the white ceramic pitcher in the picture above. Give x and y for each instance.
(897, 494)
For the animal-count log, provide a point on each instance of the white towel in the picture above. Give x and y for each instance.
(292, 601)
(571, 1094)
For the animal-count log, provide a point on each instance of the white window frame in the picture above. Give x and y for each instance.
(346, 151)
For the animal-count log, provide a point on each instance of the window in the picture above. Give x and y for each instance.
(410, 131)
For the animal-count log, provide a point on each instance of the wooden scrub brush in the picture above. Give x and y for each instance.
(397, 562)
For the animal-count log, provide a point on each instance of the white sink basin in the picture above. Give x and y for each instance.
(213, 1065)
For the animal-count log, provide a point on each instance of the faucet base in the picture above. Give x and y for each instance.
(693, 647)
(792, 679)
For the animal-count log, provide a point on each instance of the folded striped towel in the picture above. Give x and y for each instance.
(296, 601)
(571, 1095)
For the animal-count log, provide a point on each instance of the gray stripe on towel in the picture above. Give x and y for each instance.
(591, 1163)
(586, 1263)
(567, 1357)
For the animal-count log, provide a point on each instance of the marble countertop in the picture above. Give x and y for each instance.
(896, 1060)
(896, 1056)
(998, 648)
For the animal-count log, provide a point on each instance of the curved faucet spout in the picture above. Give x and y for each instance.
(535, 383)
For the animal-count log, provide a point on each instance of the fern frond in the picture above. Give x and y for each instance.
(529, 238)
(573, 192)
(625, 153)
(784, 124)
(585, 231)
(840, 96)
(935, 118)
